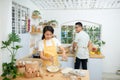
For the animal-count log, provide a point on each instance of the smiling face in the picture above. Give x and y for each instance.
(48, 35)
(48, 32)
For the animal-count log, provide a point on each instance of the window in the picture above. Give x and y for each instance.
(20, 16)
(67, 34)
(94, 31)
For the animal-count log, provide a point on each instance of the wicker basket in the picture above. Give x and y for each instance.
(21, 70)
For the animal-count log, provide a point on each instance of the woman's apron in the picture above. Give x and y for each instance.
(50, 51)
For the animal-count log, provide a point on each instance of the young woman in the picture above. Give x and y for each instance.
(48, 47)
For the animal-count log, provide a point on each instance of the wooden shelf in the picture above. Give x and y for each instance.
(100, 56)
(36, 17)
(35, 33)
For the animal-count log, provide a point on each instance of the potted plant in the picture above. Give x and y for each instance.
(97, 45)
(10, 69)
(53, 23)
(36, 14)
(94, 33)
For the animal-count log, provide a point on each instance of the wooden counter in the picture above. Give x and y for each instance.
(101, 56)
(48, 75)
(53, 76)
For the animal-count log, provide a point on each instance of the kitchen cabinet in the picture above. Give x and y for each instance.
(94, 65)
(68, 63)
(95, 68)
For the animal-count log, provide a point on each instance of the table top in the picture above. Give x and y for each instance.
(53, 76)
(50, 76)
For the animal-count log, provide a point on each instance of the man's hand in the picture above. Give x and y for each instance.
(74, 46)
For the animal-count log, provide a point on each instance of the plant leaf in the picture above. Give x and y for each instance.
(14, 37)
(3, 47)
(13, 47)
(6, 78)
(18, 46)
(6, 43)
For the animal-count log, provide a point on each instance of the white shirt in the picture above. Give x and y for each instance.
(82, 39)
(48, 43)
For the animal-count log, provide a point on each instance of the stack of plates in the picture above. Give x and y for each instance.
(78, 72)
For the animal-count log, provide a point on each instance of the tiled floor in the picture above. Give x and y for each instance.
(110, 76)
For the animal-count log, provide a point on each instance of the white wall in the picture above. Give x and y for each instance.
(6, 28)
(109, 19)
(25, 38)
(0, 43)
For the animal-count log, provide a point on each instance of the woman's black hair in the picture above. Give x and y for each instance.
(47, 28)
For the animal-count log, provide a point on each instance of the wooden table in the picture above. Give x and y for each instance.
(48, 75)
(53, 76)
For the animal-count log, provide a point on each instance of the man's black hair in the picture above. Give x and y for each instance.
(79, 23)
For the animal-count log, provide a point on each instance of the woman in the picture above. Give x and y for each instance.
(48, 47)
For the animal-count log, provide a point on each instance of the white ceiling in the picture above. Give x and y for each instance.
(77, 4)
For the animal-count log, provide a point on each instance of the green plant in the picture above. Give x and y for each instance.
(94, 33)
(10, 69)
(36, 13)
(52, 23)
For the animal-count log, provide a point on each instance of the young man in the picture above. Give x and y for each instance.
(80, 46)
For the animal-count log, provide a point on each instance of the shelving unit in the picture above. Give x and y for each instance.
(35, 33)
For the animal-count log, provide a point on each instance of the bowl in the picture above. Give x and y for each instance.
(53, 68)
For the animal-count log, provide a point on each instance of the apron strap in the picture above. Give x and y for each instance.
(53, 43)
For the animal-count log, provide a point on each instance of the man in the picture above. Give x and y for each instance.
(80, 46)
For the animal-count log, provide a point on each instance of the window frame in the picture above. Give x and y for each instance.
(19, 20)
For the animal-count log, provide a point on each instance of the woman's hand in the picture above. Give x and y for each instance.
(51, 59)
(64, 57)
